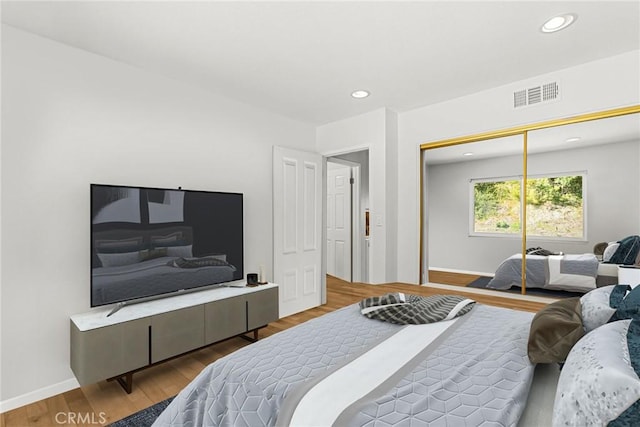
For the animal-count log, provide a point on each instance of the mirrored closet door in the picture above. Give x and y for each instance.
(471, 208)
(549, 189)
(583, 191)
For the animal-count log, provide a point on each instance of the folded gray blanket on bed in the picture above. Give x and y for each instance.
(415, 309)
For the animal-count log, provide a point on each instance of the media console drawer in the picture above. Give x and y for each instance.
(225, 318)
(176, 332)
(102, 353)
(140, 335)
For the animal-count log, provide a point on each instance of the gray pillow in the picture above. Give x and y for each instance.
(116, 260)
(185, 251)
(596, 310)
(175, 238)
(597, 383)
(609, 251)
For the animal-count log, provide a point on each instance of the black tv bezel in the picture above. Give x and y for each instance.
(159, 295)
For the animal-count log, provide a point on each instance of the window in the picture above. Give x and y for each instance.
(496, 206)
(555, 206)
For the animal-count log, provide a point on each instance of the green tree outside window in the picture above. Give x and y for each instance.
(555, 206)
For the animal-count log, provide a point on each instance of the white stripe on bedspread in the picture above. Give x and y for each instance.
(455, 310)
(323, 403)
(569, 282)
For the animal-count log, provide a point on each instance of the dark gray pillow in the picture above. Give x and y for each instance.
(554, 331)
(626, 301)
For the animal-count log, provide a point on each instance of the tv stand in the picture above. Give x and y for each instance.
(126, 380)
(116, 346)
(118, 306)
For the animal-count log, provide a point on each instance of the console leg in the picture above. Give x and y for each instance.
(125, 381)
(255, 337)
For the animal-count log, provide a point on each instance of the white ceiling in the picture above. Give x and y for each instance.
(303, 59)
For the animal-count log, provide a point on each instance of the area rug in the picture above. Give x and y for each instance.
(482, 282)
(143, 418)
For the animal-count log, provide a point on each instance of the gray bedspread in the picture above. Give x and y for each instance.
(478, 374)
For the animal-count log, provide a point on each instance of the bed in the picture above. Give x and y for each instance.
(569, 272)
(490, 366)
(344, 368)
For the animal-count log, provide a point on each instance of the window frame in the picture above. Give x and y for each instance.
(523, 205)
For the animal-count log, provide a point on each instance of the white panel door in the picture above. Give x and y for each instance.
(297, 228)
(339, 221)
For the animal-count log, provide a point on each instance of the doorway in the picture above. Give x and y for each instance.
(347, 203)
(299, 215)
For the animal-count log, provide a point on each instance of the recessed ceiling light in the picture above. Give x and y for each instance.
(573, 139)
(359, 94)
(558, 23)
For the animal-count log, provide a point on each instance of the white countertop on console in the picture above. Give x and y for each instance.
(97, 318)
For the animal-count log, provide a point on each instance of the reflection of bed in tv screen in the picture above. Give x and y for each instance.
(148, 241)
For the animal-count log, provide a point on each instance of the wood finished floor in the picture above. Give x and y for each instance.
(106, 402)
(455, 279)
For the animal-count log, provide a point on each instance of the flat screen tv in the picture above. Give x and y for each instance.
(151, 242)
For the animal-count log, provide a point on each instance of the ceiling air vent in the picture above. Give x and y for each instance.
(520, 98)
(549, 91)
(536, 95)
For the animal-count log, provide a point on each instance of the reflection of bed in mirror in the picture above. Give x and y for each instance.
(570, 272)
(130, 263)
(576, 146)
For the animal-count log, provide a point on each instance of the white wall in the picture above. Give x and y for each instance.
(71, 118)
(392, 191)
(595, 86)
(612, 204)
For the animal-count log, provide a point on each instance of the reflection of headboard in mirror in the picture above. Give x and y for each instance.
(608, 153)
(140, 243)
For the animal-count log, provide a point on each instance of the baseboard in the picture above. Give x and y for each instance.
(36, 395)
(454, 270)
(492, 292)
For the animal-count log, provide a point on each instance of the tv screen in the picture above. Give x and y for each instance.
(147, 242)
